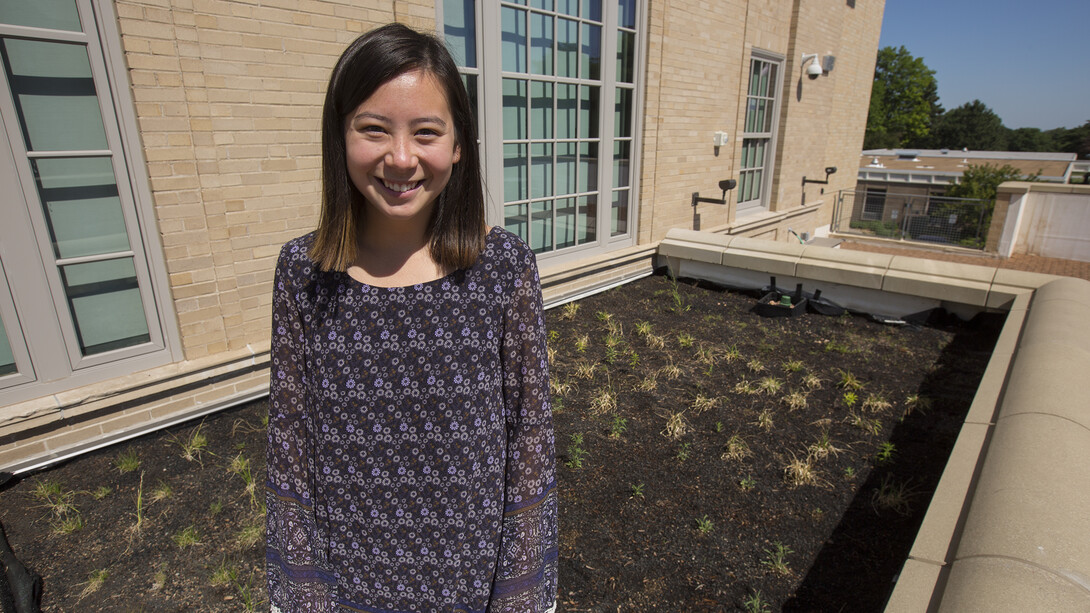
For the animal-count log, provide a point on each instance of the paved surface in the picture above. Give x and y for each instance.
(1029, 263)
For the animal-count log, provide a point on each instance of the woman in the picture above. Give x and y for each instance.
(410, 447)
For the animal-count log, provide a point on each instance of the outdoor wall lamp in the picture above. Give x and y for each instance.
(814, 70)
(725, 185)
(828, 171)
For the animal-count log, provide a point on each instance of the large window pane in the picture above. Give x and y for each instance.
(588, 111)
(82, 206)
(514, 172)
(591, 53)
(592, 9)
(565, 168)
(51, 14)
(514, 39)
(541, 226)
(55, 95)
(622, 113)
(514, 109)
(626, 57)
(622, 163)
(567, 104)
(541, 170)
(619, 213)
(105, 303)
(460, 30)
(7, 358)
(588, 167)
(541, 110)
(567, 48)
(626, 13)
(541, 44)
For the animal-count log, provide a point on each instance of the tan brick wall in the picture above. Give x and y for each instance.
(697, 75)
(228, 97)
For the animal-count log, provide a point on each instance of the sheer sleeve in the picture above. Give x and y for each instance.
(299, 579)
(526, 579)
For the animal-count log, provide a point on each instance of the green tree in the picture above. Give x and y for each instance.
(1029, 139)
(971, 126)
(981, 182)
(904, 98)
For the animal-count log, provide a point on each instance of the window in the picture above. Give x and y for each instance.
(557, 88)
(759, 136)
(874, 204)
(76, 290)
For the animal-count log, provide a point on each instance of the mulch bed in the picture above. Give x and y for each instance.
(709, 460)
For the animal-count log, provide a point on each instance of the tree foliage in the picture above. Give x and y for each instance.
(971, 126)
(981, 182)
(904, 99)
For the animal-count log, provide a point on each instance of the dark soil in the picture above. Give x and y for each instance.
(652, 518)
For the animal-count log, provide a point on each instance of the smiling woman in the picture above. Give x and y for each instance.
(410, 454)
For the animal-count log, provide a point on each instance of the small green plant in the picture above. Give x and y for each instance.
(611, 353)
(823, 447)
(655, 341)
(704, 525)
(850, 399)
(604, 316)
(849, 472)
(127, 461)
(718, 427)
(679, 304)
(159, 579)
(618, 427)
(764, 420)
(736, 448)
(747, 387)
(250, 534)
(876, 403)
(848, 381)
(755, 366)
(569, 311)
(605, 401)
(703, 403)
(581, 343)
(139, 525)
(706, 355)
(885, 452)
(731, 354)
(240, 465)
(915, 402)
(648, 383)
(670, 371)
(755, 604)
(576, 453)
(95, 580)
(684, 451)
(893, 496)
(777, 558)
(676, 426)
(769, 385)
(643, 328)
(685, 340)
(866, 424)
(585, 370)
(101, 492)
(194, 444)
(792, 365)
(747, 483)
(633, 359)
(836, 347)
(800, 472)
(552, 336)
(161, 492)
(558, 387)
(215, 507)
(224, 575)
(188, 537)
(68, 523)
(795, 401)
(637, 490)
(811, 381)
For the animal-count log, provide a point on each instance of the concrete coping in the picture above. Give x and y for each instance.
(1007, 525)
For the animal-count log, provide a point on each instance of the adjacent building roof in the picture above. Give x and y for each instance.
(944, 166)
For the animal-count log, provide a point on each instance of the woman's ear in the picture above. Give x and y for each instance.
(457, 153)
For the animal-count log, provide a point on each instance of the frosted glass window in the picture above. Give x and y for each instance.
(51, 14)
(104, 299)
(82, 206)
(55, 95)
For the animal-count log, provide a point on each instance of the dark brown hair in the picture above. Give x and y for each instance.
(456, 228)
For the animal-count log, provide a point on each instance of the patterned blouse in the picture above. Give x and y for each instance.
(410, 453)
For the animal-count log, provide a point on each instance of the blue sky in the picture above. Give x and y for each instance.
(1028, 61)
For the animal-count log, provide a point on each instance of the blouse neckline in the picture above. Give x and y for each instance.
(418, 286)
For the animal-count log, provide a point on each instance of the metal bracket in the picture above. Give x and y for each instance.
(725, 185)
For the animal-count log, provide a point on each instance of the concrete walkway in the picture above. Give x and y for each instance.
(1028, 263)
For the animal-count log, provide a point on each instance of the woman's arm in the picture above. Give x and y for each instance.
(295, 554)
(527, 575)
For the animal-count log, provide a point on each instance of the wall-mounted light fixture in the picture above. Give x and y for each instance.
(828, 171)
(818, 65)
(725, 185)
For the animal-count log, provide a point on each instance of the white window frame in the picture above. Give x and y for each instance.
(487, 18)
(768, 168)
(32, 298)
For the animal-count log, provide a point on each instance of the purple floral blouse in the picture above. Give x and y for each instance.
(410, 455)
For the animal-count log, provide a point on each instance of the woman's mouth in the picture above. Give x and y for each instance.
(400, 188)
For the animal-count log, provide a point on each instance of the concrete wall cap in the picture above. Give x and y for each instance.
(767, 246)
(858, 258)
(945, 270)
(695, 236)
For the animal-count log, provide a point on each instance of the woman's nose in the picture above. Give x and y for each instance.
(402, 153)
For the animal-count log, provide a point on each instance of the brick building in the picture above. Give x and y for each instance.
(160, 151)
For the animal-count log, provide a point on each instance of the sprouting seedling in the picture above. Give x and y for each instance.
(570, 310)
(576, 453)
(637, 490)
(684, 451)
(885, 452)
(777, 558)
(850, 399)
(747, 483)
(618, 427)
(704, 525)
(127, 461)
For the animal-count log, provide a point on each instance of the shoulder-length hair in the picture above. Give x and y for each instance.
(457, 226)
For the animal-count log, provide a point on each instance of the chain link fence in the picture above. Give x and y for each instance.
(913, 217)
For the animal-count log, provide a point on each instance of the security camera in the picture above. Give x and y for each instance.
(813, 70)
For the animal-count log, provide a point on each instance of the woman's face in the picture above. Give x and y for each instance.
(400, 147)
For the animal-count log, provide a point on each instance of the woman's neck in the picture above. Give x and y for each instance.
(394, 254)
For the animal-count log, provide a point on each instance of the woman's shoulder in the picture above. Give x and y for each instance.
(507, 248)
(294, 262)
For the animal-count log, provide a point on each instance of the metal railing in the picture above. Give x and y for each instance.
(913, 217)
